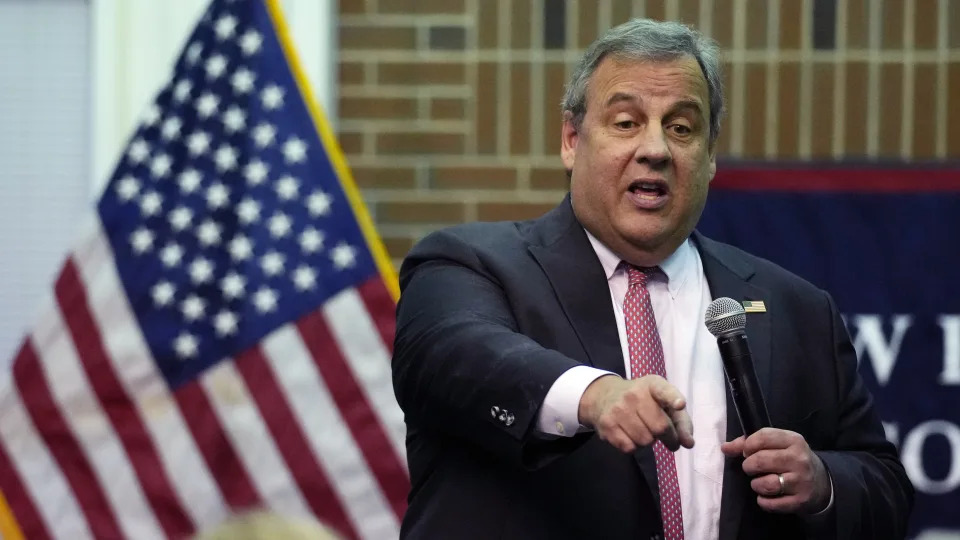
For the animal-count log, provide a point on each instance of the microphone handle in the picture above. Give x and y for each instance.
(742, 379)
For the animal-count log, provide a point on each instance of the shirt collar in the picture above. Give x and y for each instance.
(676, 267)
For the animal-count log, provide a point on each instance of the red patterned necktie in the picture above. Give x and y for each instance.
(646, 358)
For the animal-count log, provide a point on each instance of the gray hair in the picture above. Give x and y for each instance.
(645, 39)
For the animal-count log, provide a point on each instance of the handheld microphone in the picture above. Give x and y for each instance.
(726, 320)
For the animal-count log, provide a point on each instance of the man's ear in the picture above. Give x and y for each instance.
(569, 136)
(713, 162)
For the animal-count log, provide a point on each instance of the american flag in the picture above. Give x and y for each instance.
(219, 338)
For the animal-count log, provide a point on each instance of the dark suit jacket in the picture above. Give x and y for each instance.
(492, 313)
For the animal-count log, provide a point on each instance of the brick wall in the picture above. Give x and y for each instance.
(449, 108)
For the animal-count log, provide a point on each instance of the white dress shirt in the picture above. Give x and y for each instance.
(680, 297)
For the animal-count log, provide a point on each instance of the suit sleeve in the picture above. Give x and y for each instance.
(873, 496)
(461, 366)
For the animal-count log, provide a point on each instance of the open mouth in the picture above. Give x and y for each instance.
(649, 190)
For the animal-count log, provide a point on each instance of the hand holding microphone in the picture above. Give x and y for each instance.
(788, 476)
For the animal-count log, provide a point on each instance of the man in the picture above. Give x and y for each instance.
(552, 372)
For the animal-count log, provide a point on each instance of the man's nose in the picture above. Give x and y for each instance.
(652, 146)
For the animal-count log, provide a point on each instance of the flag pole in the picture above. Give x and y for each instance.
(9, 529)
(334, 152)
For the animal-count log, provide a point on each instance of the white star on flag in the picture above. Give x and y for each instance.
(233, 285)
(207, 105)
(225, 27)
(234, 119)
(264, 134)
(201, 270)
(226, 158)
(294, 150)
(265, 300)
(242, 81)
(305, 278)
(311, 240)
(279, 225)
(185, 345)
(250, 42)
(182, 90)
(198, 143)
(343, 256)
(217, 196)
(171, 254)
(318, 203)
(256, 172)
(189, 180)
(209, 233)
(240, 248)
(215, 66)
(226, 323)
(138, 151)
(160, 166)
(248, 211)
(150, 203)
(287, 187)
(141, 240)
(171, 128)
(163, 293)
(128, 188)
(180, 218)
(193, 307)
(272, 97)
(272, 263)
(193, 52)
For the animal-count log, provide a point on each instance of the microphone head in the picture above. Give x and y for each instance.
(725, 315)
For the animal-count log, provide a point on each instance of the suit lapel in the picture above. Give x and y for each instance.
(571, 265)
(575, 273)
(728, 275)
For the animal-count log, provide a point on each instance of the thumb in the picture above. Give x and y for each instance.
(733, 448)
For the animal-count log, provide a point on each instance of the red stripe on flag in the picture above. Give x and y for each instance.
(841, 179)
(21, 504)
(221, 458)
(56, 434)
(381, 307)
(126, 421)
(288, 434)
(356, 411)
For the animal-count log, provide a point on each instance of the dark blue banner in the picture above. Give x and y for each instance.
(886, 245)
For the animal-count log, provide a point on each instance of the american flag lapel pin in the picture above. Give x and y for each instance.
(754, 306)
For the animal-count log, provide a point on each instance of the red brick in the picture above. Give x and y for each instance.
(420, 212)
(474, 177)
(421, 73)
(420, 6)
(448, 109)
(352, 73)
(351, 143)
(511, 211)
(375, 107)
(398, 247)
(552, 178)
(378, 37)
(420, 143)
(385, 177)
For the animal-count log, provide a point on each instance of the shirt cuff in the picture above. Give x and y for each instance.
(559, 414)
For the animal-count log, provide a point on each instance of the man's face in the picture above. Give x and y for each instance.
(641, 160)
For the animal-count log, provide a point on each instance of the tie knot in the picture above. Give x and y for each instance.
(638, 275)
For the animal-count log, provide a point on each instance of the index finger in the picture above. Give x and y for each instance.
(768, 438)
(666, 394)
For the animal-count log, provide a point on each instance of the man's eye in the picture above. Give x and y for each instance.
(625, 124)
(681, 129)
